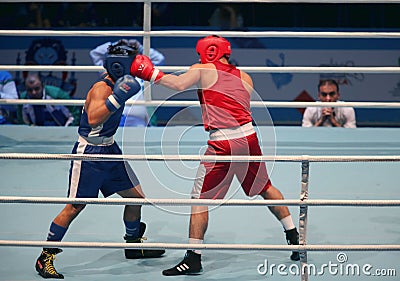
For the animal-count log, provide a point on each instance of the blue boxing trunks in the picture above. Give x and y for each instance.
(87, 178)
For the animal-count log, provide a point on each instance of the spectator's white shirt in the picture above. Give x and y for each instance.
(8, 90)
(344, 115)
(136, 115)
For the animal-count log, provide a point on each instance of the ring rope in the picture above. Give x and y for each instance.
(148, 2)
(368, 247)
(275, 104)
(199, 202)
(208, 158)
(249, 69)
(195, 33)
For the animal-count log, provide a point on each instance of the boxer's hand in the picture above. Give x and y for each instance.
(143, 68)
(124, 88)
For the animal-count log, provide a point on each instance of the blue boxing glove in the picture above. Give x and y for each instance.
(124, 88)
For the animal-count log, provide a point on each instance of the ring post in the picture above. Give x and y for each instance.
(305, 165)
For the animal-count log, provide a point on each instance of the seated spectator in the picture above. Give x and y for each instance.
(135, 115)
(8, 90)
(46, 115)
(328, 91)
(79, 15)
(230, 17)
(32, 15)
(226, 17)
(49, 51)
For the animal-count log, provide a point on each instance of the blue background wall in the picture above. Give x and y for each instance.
(260, 52)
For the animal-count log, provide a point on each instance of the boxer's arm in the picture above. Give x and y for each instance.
(247, 81)
(95, 104)
(183, 81)
(143, 68)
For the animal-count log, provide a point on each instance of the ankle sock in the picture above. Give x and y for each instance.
(56, 232)
(196, 241)
(132, 228)
(287, 223)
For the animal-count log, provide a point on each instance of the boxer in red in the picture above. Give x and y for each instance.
(225, 99)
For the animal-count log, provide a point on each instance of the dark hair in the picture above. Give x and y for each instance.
(122, 47)
(328, 82)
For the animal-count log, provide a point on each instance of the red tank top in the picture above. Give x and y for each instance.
(226, 104)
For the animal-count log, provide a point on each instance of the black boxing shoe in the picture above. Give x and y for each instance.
(44, 264)
(141, 253)
(292, 238)
(190, 265)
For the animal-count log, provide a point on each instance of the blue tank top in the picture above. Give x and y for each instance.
(108, 128)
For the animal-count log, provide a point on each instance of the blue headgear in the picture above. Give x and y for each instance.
(119, 59)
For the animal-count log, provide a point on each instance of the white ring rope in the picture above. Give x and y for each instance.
(195, 33)
(221, 1)
(199, 202)
(250, 69)
(208, 158)
(111, 245)
(275, 104)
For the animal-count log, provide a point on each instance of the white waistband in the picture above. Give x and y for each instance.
(232, 133)
(96, 141)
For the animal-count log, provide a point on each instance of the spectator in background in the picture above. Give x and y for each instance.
(36, 15)
(226, 17)
(136, 115)
(230, 17)
(79, 15)
(8, 90)
(328, 91)
(161, 14)
(46, 115)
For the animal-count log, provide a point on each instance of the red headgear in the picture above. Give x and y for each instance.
(212, 48)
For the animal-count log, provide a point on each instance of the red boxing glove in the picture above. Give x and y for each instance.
(143, 68)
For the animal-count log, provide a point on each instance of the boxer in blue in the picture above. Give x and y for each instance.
(99, 122)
